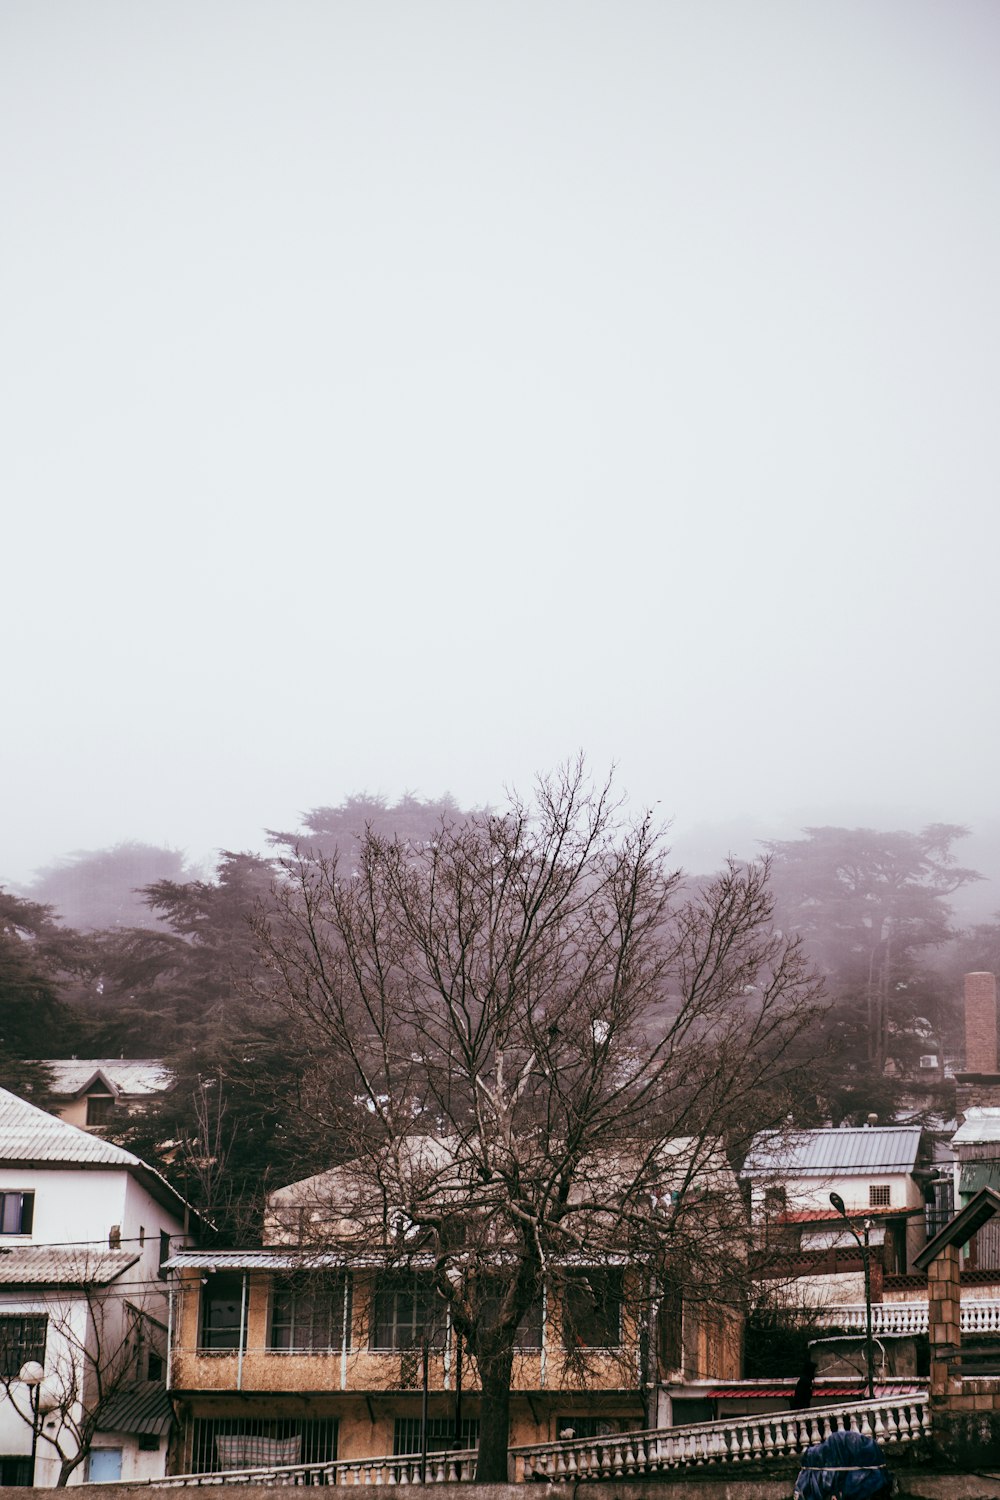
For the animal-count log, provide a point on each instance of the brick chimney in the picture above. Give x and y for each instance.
(980, 1023)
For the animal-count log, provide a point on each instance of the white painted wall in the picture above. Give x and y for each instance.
(73, 1206)
(814, 1192)
(76, 1206)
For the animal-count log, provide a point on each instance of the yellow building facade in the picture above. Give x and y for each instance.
(285, 1357)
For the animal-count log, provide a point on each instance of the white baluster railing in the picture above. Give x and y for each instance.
(406, 1468)
(756, 1439)
(977, 1316)
(740, 1440)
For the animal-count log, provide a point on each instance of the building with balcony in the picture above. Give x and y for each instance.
(304, 1352)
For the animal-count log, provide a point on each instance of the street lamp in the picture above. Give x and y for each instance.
(838, 1204)
(32, 1374)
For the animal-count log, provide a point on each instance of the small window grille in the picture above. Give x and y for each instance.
(879, 1195)
(407, 1434)
(22, 1338)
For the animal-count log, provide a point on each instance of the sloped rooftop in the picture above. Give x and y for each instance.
(35, 1138)
(126, 1075)
(28, 1133)
(142, 1407)
(65, 1265)
(841, 1152)
(981, 1123)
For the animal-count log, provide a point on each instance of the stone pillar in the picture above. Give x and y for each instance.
(944, 1328)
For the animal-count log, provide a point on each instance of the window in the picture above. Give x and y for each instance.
(407, 1436)
(406, 1310)
(15, 1469)
(164, 1253)
(17, 1211)
(529, 1330)
(104, 1465)
(100, 1108)
(775, 1200)
(592, 1308)
(879, 1195)
(221, 1302)
(154, 1366)
(237, 1442)
(21, 1338)
(310, 1318)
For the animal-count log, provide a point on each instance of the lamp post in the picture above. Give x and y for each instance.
(32, 1374)
(838, 1204)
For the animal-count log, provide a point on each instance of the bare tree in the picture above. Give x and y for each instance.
(544, 1048)
(95, 1342)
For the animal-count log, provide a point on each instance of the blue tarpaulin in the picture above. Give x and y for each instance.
(844, 1466)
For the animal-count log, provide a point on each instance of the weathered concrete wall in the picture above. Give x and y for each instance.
(920, 1484)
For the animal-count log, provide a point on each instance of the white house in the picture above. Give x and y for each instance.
(881, 1175)
(93, 1091)
(85, 1228)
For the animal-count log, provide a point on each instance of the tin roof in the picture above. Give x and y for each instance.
(981, 1123)
(63, 1265)
(843, 1152)
(124, 1075)
(142, 1407)
(274, 1260)
(28, 1133)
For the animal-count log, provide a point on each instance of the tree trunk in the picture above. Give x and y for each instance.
(494, 1420)
(67, 1467)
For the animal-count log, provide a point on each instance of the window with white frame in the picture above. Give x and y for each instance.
(879, 1195)
(223, 1311)
(310, 1314)
(406, 1312)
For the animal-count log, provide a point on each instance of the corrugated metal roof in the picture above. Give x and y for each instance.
(67, 1265)
(31, 1135)
(274, 1260)
(143, 1407)
(842, 1152)
(981, 1123)
(28, 1133)
(974, 1175)
(126, 1075)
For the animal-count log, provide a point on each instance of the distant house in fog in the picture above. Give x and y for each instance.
(880, 1172)
(91, 1091)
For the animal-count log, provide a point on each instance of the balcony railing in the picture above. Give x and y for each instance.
(740, 1440)
(905, 1317)
(405, 1468)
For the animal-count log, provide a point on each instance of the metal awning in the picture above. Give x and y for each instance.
(142, 1407)
(974, 1175)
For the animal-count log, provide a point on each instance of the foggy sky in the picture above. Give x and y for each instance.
(406, 395)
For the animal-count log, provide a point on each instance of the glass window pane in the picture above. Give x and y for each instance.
(221, 1301)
